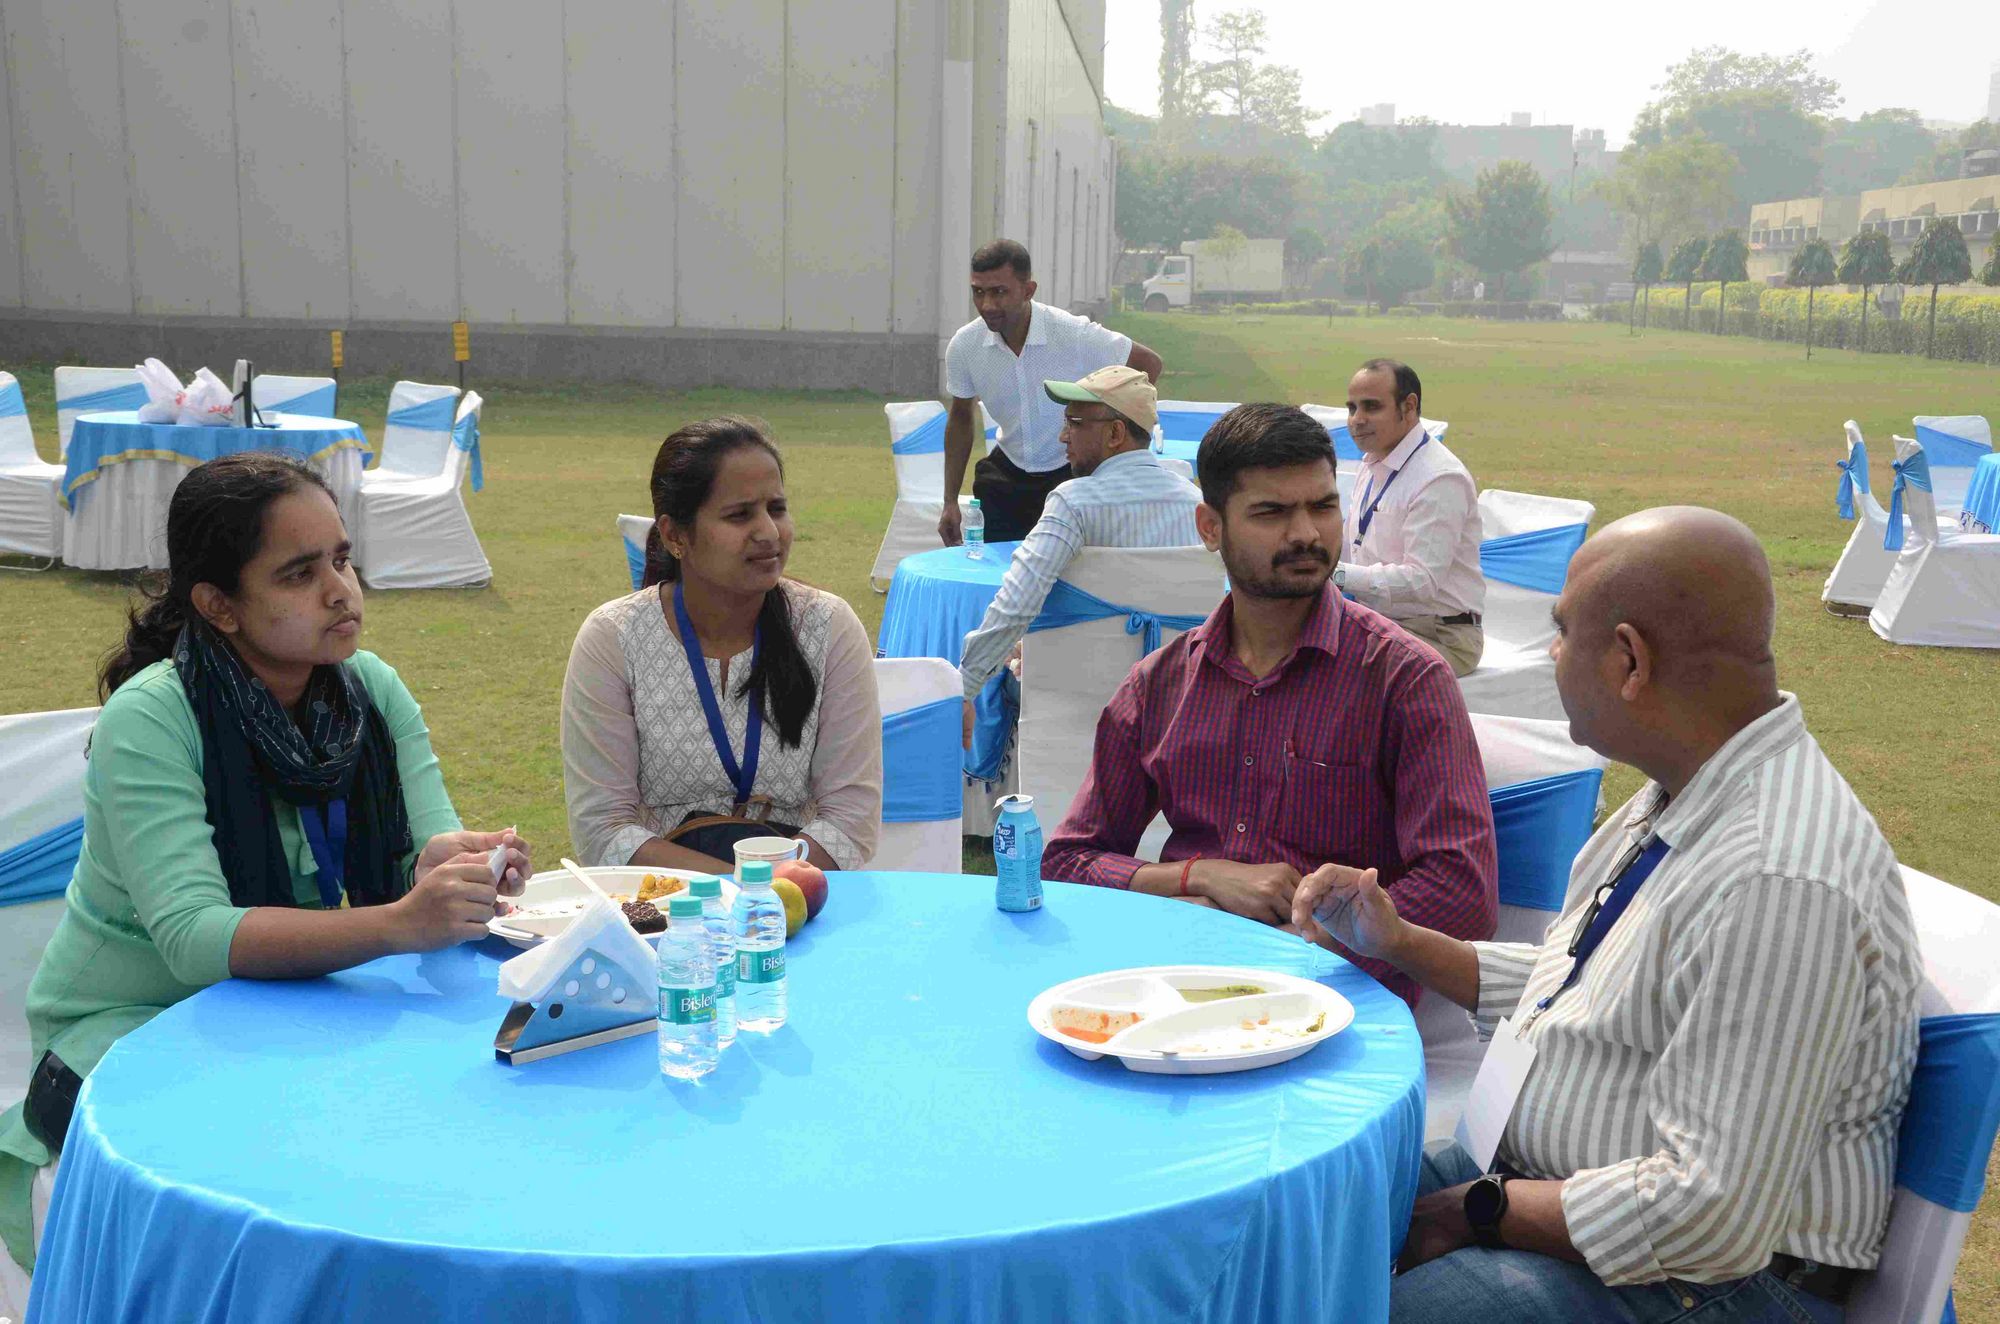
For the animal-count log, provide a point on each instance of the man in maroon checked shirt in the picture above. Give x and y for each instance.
(1292, 728)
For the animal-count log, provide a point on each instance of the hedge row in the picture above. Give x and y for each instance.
(1968, 325)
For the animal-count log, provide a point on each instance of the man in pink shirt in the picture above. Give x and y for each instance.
(1292, 728)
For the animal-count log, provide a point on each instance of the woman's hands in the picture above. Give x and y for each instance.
(445, 845)
(455, 893)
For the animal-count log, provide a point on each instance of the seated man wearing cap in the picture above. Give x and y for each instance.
(1121, 497)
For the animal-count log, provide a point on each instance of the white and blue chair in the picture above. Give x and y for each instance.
(1524, 555)
(416, 433)
(1545, 791)
(1864, 564)
(415, 531)
(633, 530)
(90, 391)
(916, 446)
(1944, 589)
(312, 397)
(1953, 444)
(1954, 1109)
(922, 704)
(30, 487)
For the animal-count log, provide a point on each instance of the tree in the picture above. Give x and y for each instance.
(1256, 95)
(1727, 259)
(1875, 150)
(1673, 189)
(1812, 266)
(1164, 197)
(1865, 260)
(1765, 109)
(1716, 69)
(1948, 159)
(1502, 226)
(1388, 265)
(1939, 258)
(1226, 244)
(1179, 101)
(1303, 247)
(1645, 274)
(1990, 273)
(1682, 268)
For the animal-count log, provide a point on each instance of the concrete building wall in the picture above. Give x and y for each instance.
(686, 191)
(1777, 229)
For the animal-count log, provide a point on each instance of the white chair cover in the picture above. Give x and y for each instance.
(1864, 564)
(632, 533)
(316, 397)
(30, 487)
(1953, 444)
(1545, 791)
(922, 700)
(916, 445)
(91, 391)
(415, 531)
(1944, 589)
(416, 432)
(1068, 674)
(1959, 933)
(1515, 676)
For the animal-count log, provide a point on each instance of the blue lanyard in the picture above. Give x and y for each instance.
(1368, 515)
(1607, 906)
(743, 777)
(326, 833)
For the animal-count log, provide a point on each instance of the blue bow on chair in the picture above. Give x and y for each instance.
(1913, 472)
(1146, 625)
(1853, 474)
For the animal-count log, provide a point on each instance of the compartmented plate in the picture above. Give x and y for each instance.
(551, 900)
(1190, 1019)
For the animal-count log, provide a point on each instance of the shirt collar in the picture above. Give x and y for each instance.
(1716, 783)
(1038, 329)
(1405, 448)
(1321, 630)
(1126, 459)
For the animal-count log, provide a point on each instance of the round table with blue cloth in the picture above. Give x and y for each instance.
(1981, 512)
(906, 1147)
(935, 600)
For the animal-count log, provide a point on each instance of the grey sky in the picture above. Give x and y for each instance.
(1591, 63)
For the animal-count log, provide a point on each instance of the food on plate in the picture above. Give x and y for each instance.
(654, 886)
(810, 878)
(1249, 1035)
(644, 916)
(795, 904)
(1223, 991)
(1093, 1025)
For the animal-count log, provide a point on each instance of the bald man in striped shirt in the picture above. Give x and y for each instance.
(1723, 1017)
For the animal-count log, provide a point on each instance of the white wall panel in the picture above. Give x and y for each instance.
(922, 182)
(730, 105)
(400, 191)
(10, 232)
(292, 158)
(621, 163)
(840, 165)
(510, 160)
(74, 201)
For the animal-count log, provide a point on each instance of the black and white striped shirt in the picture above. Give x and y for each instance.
(1726, 1078)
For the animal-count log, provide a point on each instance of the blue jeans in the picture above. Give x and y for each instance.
(1505, 1286)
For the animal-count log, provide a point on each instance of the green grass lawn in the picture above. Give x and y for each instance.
(1578, 410)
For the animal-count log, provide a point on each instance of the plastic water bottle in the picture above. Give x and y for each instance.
(687, 994)
(974, 529)
(722, 946)
(759, 928)
(1017, 854)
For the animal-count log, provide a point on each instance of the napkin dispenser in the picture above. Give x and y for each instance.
(593, 983)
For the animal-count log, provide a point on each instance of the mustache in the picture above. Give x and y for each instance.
(1297, 555)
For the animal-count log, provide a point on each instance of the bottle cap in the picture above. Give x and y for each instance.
(704, 887)
(684, 907)
(756, 871)
(975, 503)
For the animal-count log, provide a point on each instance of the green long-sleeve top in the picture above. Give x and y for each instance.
(148, 919)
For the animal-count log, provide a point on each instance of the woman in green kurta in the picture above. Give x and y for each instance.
(261, 799)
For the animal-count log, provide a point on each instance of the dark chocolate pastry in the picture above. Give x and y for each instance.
(644, 916)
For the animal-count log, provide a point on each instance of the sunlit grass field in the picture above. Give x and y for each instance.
(1579, 410)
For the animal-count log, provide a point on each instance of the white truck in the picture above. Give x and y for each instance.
(1197, 274)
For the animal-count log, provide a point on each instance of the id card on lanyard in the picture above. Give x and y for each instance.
(742, 776)
(1504, 1069)
(1368, 513)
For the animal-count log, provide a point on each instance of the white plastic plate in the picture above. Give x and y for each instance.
(1178, 1037)
(550, 900)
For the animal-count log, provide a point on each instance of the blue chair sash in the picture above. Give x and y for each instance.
(1913, 472)
(1069, 605)
(1187, 424)
(316, 403)
(430, 416)
(920, 763)
(1954, 1111)
(1948, 450)
(635, 561)
(1538, 827)
(132, 395)
(1538, 559)
(40, 866)
(1343, 443)
(11, 403)
(465, 436)
(1853, 477)
(927, 438)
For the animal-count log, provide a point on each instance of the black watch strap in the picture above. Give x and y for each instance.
(1485, 1206)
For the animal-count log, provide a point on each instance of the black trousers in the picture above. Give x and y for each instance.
(1010, 497)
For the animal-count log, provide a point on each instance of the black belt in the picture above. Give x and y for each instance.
(1463, 618)
(1828, 1282)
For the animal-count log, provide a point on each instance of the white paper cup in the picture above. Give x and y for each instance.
(771, 850)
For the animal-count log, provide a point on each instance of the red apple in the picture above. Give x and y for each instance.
(810, 879)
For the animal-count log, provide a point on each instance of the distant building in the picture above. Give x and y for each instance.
(1463, 150)
(1777, 229)
(1381, 115)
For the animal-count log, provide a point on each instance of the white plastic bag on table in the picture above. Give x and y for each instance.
(207, 402)
(163, 392)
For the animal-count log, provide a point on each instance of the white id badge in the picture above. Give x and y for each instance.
(1502, 1072)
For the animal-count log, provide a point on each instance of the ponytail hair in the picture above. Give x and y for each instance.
(683, 476)
(215, 525)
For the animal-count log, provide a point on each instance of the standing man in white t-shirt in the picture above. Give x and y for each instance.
(1000, 359)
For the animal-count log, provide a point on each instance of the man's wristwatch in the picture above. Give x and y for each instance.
(1485, 1206)
(1340, 577)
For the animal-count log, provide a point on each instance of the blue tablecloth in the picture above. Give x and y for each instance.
(906, 1148)
(102, 440)
(1982, 498)
(935, 600)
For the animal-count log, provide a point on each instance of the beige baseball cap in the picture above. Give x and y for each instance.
(1123, 389)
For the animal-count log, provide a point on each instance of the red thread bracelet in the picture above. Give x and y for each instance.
(1185, 868)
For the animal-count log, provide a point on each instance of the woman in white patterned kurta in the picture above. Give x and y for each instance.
(637, 754)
